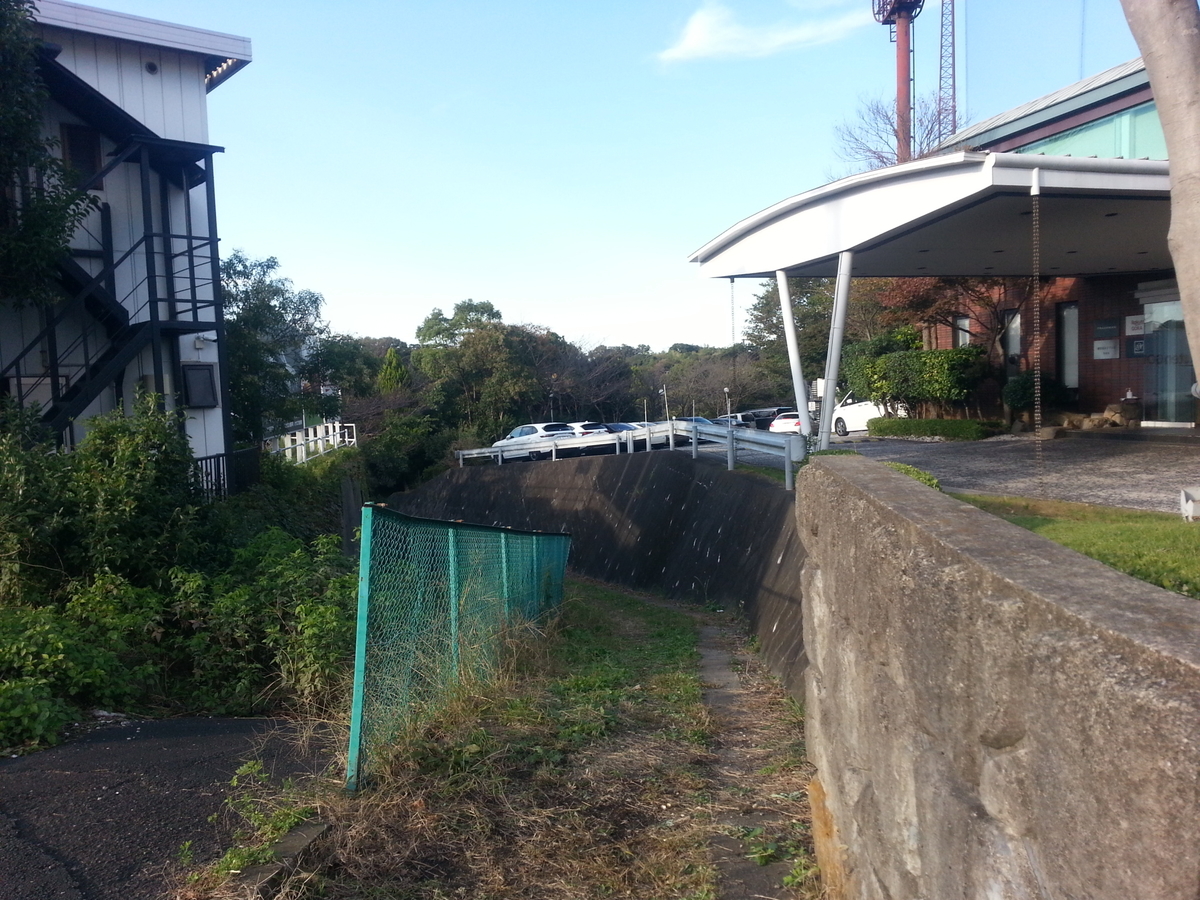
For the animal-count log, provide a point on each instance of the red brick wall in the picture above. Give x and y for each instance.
(1101, 381)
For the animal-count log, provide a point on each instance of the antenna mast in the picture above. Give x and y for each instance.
(900, 14)
(947, 99)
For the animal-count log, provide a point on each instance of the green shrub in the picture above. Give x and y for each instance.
(913, 472)
(949, 429)
(1017, 392)
(30, 713)
(278, 623)
(938, 377)
(132, 495)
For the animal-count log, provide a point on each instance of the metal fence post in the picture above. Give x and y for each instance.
(452, 562)
(505, 583)
(789, 474)
(695, 440)
(354, 757)
(731, 451)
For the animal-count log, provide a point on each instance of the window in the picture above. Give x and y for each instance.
(199, 386)
(81, 152)
(962, 331)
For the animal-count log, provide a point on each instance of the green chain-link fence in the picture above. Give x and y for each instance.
(433, 599)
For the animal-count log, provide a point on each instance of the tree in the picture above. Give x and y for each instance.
(1168, 35)
(941, 301)
(282, 359)
(439, 331)
(870, 140)
(812, 306)
(39, 206)
(393, 374)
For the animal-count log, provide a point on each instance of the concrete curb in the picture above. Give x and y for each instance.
(263, 882)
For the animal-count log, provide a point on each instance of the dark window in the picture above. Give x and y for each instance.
(199, 386)
(81, 152)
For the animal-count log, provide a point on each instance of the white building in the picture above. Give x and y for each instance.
(141, 303)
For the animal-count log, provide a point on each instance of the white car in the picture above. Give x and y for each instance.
(785, 423)
(587, 429)
(527, 440)
(851, 414)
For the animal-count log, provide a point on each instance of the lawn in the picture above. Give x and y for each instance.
(1159, 548)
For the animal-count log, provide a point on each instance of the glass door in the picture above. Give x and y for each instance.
(1169, 372)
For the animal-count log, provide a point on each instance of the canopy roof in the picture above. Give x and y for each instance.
(963, 214)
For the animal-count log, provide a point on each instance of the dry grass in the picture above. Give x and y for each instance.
(589, 767)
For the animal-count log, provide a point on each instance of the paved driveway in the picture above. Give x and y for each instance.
(1138, 475)
(1134, 474)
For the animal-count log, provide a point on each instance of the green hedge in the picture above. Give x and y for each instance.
(950, 429)
(918, 376)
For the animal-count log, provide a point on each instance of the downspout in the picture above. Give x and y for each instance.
(793, 348)
(837, 331)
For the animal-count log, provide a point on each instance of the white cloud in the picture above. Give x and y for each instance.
(713, 33)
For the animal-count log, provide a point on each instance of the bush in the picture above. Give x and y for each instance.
(911, 377)
(118, 588)
(29, 713)
(950, 429)
(1017, 392)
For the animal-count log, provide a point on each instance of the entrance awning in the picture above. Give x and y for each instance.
(963, 214)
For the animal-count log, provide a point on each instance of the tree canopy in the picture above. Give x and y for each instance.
(283, 360)
(40, 207)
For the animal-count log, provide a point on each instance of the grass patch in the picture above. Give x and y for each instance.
(1159, 548)
(574, 773)
(913, 472)
(947, 429)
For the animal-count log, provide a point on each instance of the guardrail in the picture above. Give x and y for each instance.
(791, 447)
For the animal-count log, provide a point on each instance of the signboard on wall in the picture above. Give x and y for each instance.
(1106, 328)
(1135, 325)
(1109, 348)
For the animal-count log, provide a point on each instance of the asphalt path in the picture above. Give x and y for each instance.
(106, 816)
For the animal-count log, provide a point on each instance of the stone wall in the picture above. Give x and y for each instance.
(991, 714)
(650, 521)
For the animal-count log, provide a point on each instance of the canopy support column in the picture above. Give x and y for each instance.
(793, 348)
(837, 332)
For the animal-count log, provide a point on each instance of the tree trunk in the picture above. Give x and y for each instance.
(1168, 34)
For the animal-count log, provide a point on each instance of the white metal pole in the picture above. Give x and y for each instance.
(793, 348)
(837, 331)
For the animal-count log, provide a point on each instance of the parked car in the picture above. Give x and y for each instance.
(526, 440)
(785, 423)
(586, 429)
(738, 420)
(851, 414)
(764, 417)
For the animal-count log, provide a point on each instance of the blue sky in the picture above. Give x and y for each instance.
(562, 159)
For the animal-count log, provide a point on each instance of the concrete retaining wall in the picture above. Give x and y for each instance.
(651, 521)
(991, 715)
